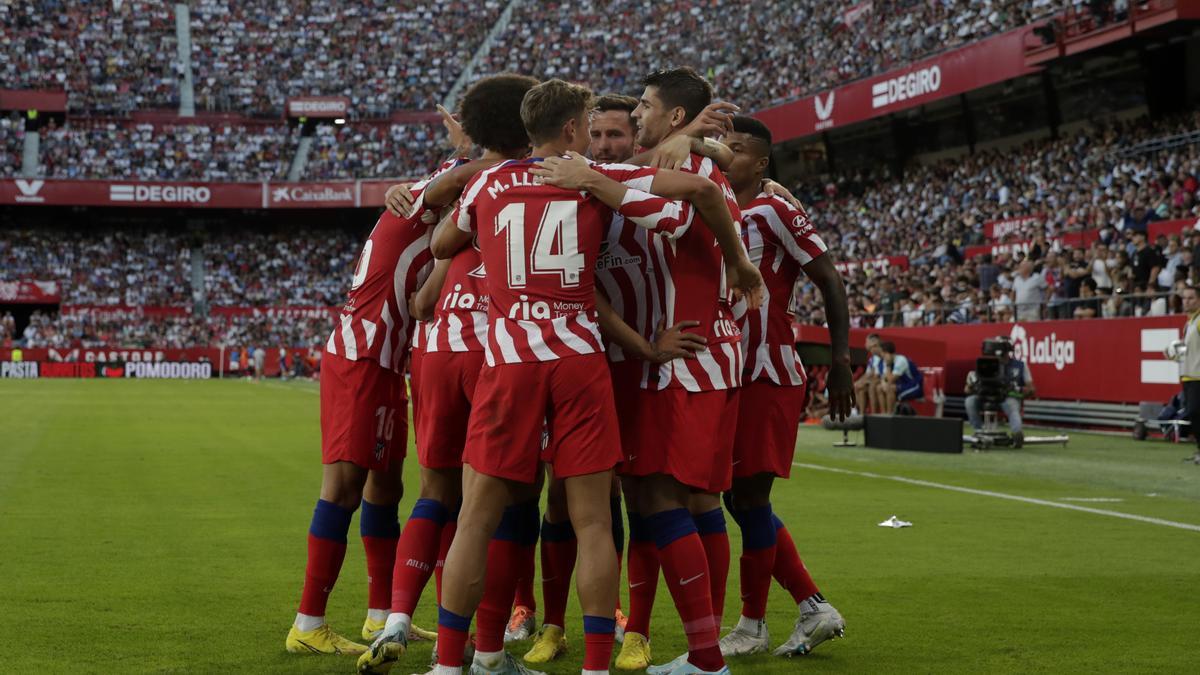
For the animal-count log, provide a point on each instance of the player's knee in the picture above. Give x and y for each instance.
(444, 486)
(383, 488)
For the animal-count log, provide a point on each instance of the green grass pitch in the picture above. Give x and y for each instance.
(154, 526)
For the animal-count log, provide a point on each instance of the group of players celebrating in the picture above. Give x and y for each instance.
(613, 326)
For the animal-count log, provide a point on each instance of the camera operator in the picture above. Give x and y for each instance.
(1012, 383)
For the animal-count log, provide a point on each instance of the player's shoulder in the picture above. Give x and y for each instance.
(475, 186)
(792, 217)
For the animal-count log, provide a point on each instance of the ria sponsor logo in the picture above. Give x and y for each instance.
(1047, 350)
(159, 194)
(910, 85)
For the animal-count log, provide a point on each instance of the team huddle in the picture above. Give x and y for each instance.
(613, 329)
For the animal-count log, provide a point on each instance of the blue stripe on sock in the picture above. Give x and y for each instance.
(453, 621)
(668, 526)
(509, 528)
(330, 521)
(638, 530)
(618, 525)
(529, 523)
(605, 625)
(429, 509)
(556, 532)
(710, 522)
(758, 527)
(378, 520)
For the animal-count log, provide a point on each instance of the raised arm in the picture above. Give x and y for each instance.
(449, 236)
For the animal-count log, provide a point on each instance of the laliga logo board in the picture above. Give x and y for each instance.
(1048, 350)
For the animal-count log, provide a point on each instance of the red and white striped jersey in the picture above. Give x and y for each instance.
(420, 335)
(460, 321)
(780, 240)
(622, 274)
(374, 324)
(690, 285)
(540, 244)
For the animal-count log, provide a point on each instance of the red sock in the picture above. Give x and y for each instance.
(416, 554)
(524, 596)
(326, 551)
(499, 585)
(558, 564)
(597, 642)
(789, 569)
(643, 576)
(324, 564)
(448, 531)
(381, 559)
(716, 549)
(452, 638)
(685, 567)
(758, 559)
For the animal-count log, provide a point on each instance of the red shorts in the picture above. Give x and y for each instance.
(571, 398)
(363, 408)
(686, 435)
(627, 393)
(447, 388)
(768, 418)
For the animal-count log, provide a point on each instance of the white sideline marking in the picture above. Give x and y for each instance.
(1002, 495)
(1092, 499)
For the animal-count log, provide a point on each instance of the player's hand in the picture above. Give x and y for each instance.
(570, 172)
(746, 281)
(672, 153)
(459, 140)
(672, 343)
(715, 120)
(841, 391)
(399, 200)
(776, 190)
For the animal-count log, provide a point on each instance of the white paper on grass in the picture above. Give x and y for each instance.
(895, 522)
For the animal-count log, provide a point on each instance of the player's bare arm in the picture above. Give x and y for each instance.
(443, 190)
(448, 239)
(669, 343)
(776, 190)
(399, 200)
(673, 152)
(837, 312)
(424, 301)
(460, 142)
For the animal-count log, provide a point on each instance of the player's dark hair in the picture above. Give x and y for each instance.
(681, 87)
(609, 102)
(491, 112)
(889, 347)
(754, 128)
(548, 106)
(872, 335)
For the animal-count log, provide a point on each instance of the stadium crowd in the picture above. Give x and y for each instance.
(12, 144)
(748, 48)
(1090, 181)
(251, 56)
(374, 150)
(302, 268)
(111, 57)
(218, 152)
(135, 329)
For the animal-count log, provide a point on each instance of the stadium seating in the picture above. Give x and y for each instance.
(12, 144)
(374, 150)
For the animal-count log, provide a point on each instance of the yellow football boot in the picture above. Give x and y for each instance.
(550, 643)
(372, 629)
(320, 641)
(635, 652)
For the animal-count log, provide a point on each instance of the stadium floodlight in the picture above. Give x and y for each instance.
(340, 120)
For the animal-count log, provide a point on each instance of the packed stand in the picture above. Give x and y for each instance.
(135, 329)
(374, 151)
(111, 56)
(758, 53)
(12, 144)
(302, 268)
(1082, 184)
(222, 152)
(102, 268)
(250, 56)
